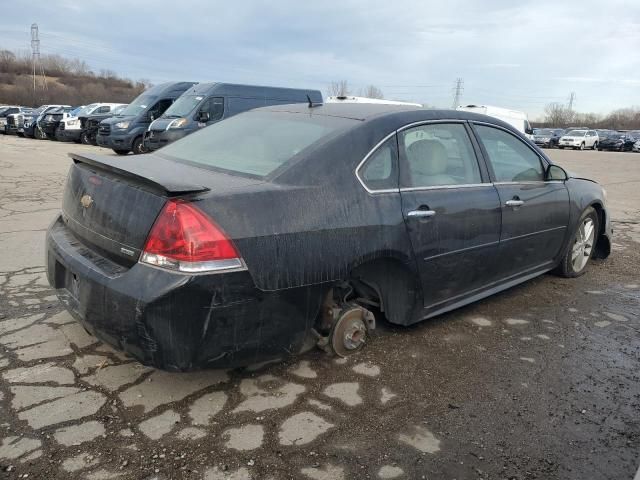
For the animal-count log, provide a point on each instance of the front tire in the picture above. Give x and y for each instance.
(581, 247)
(138, 147)
(84, 138)
(595, 146)
(582, 146)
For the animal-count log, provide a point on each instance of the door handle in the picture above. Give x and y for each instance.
(514, 203)
(421, 213)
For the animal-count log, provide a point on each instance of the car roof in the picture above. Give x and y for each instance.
(369, 111)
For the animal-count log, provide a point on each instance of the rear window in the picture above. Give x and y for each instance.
(254, 143)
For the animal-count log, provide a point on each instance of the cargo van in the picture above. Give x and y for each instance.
(516, 119)
(207, 103)
(123, 133)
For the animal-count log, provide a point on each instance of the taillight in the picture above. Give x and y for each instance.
(185, 239)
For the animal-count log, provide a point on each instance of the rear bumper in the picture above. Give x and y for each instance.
(174, 321)
(153, 140)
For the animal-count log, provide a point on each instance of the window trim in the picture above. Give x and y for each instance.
(364, 160)
(487, 160)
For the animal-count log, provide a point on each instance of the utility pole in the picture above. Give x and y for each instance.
(35, 60)
(457, 92)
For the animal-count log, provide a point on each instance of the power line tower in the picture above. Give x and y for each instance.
(457, 92)
(572, 98)
(38, 68)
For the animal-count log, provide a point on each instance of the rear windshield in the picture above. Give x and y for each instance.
(254, 143)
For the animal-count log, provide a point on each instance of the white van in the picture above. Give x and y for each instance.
(379, 101)
(516, 119)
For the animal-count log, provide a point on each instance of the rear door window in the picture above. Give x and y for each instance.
(510, 158)
(438, 154)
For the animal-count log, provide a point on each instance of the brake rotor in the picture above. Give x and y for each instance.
(349, 333)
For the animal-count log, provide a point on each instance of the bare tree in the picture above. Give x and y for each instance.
(371, 91)
(557, 115)
(339, 89)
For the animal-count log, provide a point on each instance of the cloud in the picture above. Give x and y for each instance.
(515, 55)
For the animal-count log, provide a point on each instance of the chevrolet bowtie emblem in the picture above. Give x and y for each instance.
(86, 201)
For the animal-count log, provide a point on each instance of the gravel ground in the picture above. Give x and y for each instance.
(541, 381)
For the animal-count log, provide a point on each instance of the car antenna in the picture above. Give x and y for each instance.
(311, 105)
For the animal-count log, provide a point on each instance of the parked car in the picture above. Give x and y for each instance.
(14, 120)
(48, 124)
(92, 123)
(124, 133)
(70, 128)
(636, 146)
(282, 226)
(622, 142)
(30, 127)
(207, 103)
(547, 137)
(517, 119)
(579, 139)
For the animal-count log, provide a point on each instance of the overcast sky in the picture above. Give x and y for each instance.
(517, 56)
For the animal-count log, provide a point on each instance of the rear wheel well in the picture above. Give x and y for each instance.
(389, 283)
(603, 246)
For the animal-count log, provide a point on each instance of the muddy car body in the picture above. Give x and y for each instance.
(258, 236)
(70, 129)
(124, 132)
(207, 103)
(30, 127)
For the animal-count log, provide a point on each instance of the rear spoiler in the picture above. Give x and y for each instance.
(156, 172)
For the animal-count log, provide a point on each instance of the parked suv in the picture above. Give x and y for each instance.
(70, 128)
(30, 127)
(579, 139)
(124, 133)
(207, 103)
(49, 122)
(91, 124)
(547, 137)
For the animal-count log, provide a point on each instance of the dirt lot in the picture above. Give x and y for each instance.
(541, 381)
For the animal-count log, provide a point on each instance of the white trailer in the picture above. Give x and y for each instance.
(379, 101)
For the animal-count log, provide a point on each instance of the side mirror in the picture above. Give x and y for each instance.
(203, 117)
(555, 172)
(152, 116)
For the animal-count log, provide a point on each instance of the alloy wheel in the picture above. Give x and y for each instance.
(583, 245)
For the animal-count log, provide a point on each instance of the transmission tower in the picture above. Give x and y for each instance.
(457, 92)
(572, 98)
(38, 68)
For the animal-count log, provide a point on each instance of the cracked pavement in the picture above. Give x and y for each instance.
(541, 381)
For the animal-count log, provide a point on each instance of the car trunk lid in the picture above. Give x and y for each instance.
(111, 203)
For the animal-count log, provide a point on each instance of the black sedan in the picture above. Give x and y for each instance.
(622, 142)
(547, 137)
(290, 226)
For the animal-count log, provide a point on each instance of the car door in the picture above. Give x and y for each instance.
(214, 106)
(451, 210)
(592, 138)
(535, 212)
